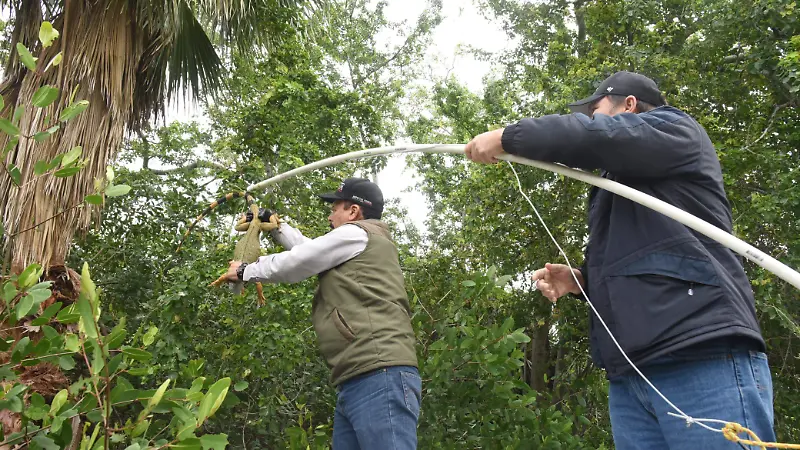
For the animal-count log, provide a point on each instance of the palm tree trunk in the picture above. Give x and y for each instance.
(103, 52)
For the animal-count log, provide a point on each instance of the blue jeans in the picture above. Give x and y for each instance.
(378, 410)
(724, 384)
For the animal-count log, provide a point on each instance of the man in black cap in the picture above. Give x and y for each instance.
(361, 315)
(679, 304)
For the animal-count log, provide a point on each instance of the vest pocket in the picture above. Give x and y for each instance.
(342, 326)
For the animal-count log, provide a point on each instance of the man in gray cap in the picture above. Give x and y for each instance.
(679, 304)
(361, 315)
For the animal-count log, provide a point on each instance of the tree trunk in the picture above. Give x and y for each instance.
(101, 49)
(539, 356)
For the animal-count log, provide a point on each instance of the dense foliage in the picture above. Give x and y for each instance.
(502, 368)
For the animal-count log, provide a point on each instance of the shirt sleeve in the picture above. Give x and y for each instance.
(661, 143)
(288, 236)
(310, 257)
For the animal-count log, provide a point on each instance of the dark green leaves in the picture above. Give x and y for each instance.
(45, 96)
(73, 110)
(25, 56)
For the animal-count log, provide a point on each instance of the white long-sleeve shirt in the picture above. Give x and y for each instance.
(306, 257)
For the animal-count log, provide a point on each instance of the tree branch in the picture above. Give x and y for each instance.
(49, 219)
(769, 125)
(189, 166)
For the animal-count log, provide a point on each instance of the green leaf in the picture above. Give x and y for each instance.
(73, 110)
(140, 371)
(8, 128)
(94, 199)
(150, 336)
(44, 96)
(115, 362)
(88, 303)
(110, 174)
(54, 61)
(57, 423)
(18, 112)
(214, 441)
(502, 281)
(45, 442)
(71, 156)
(88, 323)
(115, 338)
(24, 306)
(156, 399)
(136, 354)
(29, 276)
(116, 191)
(16, 175)
(519, 337)
(213, 399)
(20, 350)
(197, 385)
(25, 56)
(140, 428)
(58, 401)
(55, 162)
(9, 292)
(68, 315)
(47, 34)
(240, 386)
(68, 172)
(66, 362)
(39, 295)
(98, 362)
(51, 311)
(40, 167)
(95, 415)
(188, 444)
(43, 135)
(71, 343)
(468, 283)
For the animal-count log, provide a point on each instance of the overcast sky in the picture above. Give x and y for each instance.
(463, 26)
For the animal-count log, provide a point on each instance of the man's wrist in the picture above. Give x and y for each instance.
(580, 283)
(240, 271)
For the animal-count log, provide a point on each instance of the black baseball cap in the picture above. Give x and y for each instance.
(624, 84)
(360, 191)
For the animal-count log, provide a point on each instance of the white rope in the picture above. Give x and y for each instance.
(689, 419)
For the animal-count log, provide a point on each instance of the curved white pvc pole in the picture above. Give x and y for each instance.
(723, 237)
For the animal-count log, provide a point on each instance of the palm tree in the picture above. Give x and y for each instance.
(127, 58)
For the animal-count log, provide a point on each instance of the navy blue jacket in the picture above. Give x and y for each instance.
(659, 285)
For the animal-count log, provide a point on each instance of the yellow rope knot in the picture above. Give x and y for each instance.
(732, 430)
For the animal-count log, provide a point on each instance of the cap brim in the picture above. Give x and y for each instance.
(582, 106)
(330, 197)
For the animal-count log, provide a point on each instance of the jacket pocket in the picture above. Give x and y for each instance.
(341, 325)
(661, 296)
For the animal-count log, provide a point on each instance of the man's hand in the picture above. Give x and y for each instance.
(555, 280)
(230, 275)
(486, 147)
